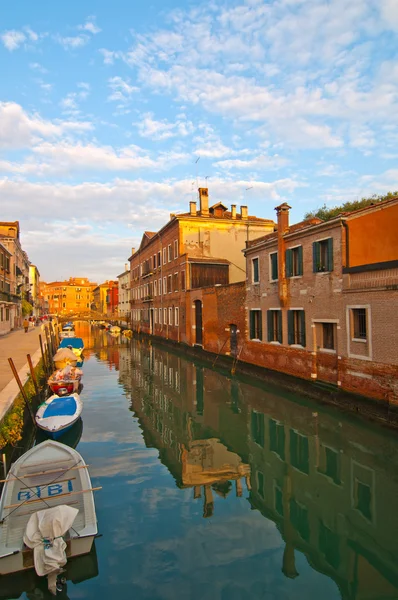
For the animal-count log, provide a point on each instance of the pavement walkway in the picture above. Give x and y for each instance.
(16, 345)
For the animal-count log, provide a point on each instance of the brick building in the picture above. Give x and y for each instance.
(124, 304)
(112, 298)
(322, 300)
(199, 249)
(70, 296)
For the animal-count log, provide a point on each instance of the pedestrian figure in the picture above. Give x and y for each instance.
(26, 325)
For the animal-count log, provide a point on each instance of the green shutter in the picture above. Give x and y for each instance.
(290, 327)
(270, 329)
(302, 328)
(260, 325)
(330, 254)
(251, 324)
(280, 326)
(289, 263)
(300, 260)
(316, 256)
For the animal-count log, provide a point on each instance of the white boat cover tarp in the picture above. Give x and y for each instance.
(44, 532)
(64, 354)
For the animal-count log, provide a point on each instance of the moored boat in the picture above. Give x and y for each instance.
(75, 344)
(115, 329)
(57, 414)
(64, 357)
(65, 381)
(47, 476)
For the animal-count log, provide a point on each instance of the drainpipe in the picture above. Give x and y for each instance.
(282, 212)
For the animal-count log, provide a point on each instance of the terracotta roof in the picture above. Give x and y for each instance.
(227, 215)
(150, 234)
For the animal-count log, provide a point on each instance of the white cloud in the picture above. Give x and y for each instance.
(12, 39)
(72, 42)
(109, 56)
(121, 89)
(90, 26)
(259, 162)
(153, 129)
(38, 67)
(20, 130)
(389, 13)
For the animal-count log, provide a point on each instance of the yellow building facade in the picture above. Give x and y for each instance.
(70, 296)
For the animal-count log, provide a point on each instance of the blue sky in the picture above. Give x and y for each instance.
(106, 107)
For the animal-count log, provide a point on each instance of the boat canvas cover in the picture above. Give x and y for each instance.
(61, 407)
(64, 354)
(44, 533)
(74, 342)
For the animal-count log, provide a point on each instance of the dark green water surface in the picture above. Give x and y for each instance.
(219, 488)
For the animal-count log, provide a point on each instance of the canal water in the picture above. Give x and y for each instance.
(221, 488)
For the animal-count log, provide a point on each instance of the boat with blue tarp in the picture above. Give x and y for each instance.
(75, 344)
(57, 414)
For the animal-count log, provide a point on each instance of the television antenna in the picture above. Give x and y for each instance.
(196, 167)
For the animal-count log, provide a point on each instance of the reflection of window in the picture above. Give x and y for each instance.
(277, 438)
(260, 483)
(359, 323)
(299, 451)
(330, 464)
(294, 261)
(274, 326)
(322, 255)
(257, 421)
(256, 332)
(299, 519)
(278, 500)
(255, 271)
(274, 266)
(363, 498)
(329, 545)
(296, 327)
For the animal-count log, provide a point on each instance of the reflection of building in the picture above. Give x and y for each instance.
(322, 298)
(195, 250)
(328, 483)
(124, 306)
(14, 277)
(70, 296)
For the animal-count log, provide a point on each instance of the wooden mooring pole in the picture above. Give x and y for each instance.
(32, 374)
(21, 389)
(43, 356)
(49, 349)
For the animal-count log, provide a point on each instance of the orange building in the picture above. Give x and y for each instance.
(65, 297)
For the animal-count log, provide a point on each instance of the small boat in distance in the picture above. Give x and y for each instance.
(48, 475)
(57, 414)
(115, 329)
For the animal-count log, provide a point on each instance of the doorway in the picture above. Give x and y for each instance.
(198, 322)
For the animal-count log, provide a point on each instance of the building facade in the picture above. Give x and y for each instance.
(124, 305)
(15, 275)
(34, 292)
(322, 297)
(74, 295)
(199, 249)
(6, 300)
(112, 299)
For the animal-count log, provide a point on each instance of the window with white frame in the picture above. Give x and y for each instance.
(359, 323)
(322, 255)
(164, 285)
(170, 252)
(175, 248)
(155, 315)
(273, 266)
(155, 288)
(274, 326)
(294, 261)
(165, 316)
(170, 315)
(176, 317)
(256, 327)
(183, 280)
(160, 287)
(160, 316)
(255, 270)
(164, 256)
(159, 259)
(154, 261)
(170, 284)
(296, 327)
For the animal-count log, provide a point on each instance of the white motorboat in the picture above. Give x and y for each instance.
(58, 414)
(47, 476)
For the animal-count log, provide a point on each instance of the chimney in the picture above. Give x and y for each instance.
(233, 211)
(126, 266)
(282, 212)
(243, 213)
(192, 209)
(132, 251)
(204, 201)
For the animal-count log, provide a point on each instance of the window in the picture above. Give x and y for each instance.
(183, 280)
(260, 483)
(274, 326)
(155, 288)
(322, 254)
(299, 452)
(170, 253)
(296, 327)
(277, 438)
(170, 315)
(278, 500)
(294, 261)
(329, 464)
(154, 261)
(175, 248)
(299, 519)
(273, 258)
(160, 316)
(175, 282)
(164, 256)
(328, 336)
(159, 259)
(255, 271)
(160, 287)
(165, 316)
(164, 285)
(256, 332)
(257, 427)
(359, 323)
(329, 545)
(176, 317)
(155, 315)
(170, 284)
(363, 498)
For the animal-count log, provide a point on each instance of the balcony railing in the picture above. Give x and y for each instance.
(148, 298)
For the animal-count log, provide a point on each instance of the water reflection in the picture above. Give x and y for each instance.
(327, 482)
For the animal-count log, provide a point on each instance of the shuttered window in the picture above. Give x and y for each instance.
(255, 271)
(256, 332)
(294, 261)
(274, 326)
(322, 256)
(296, 327)
(274, 266)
